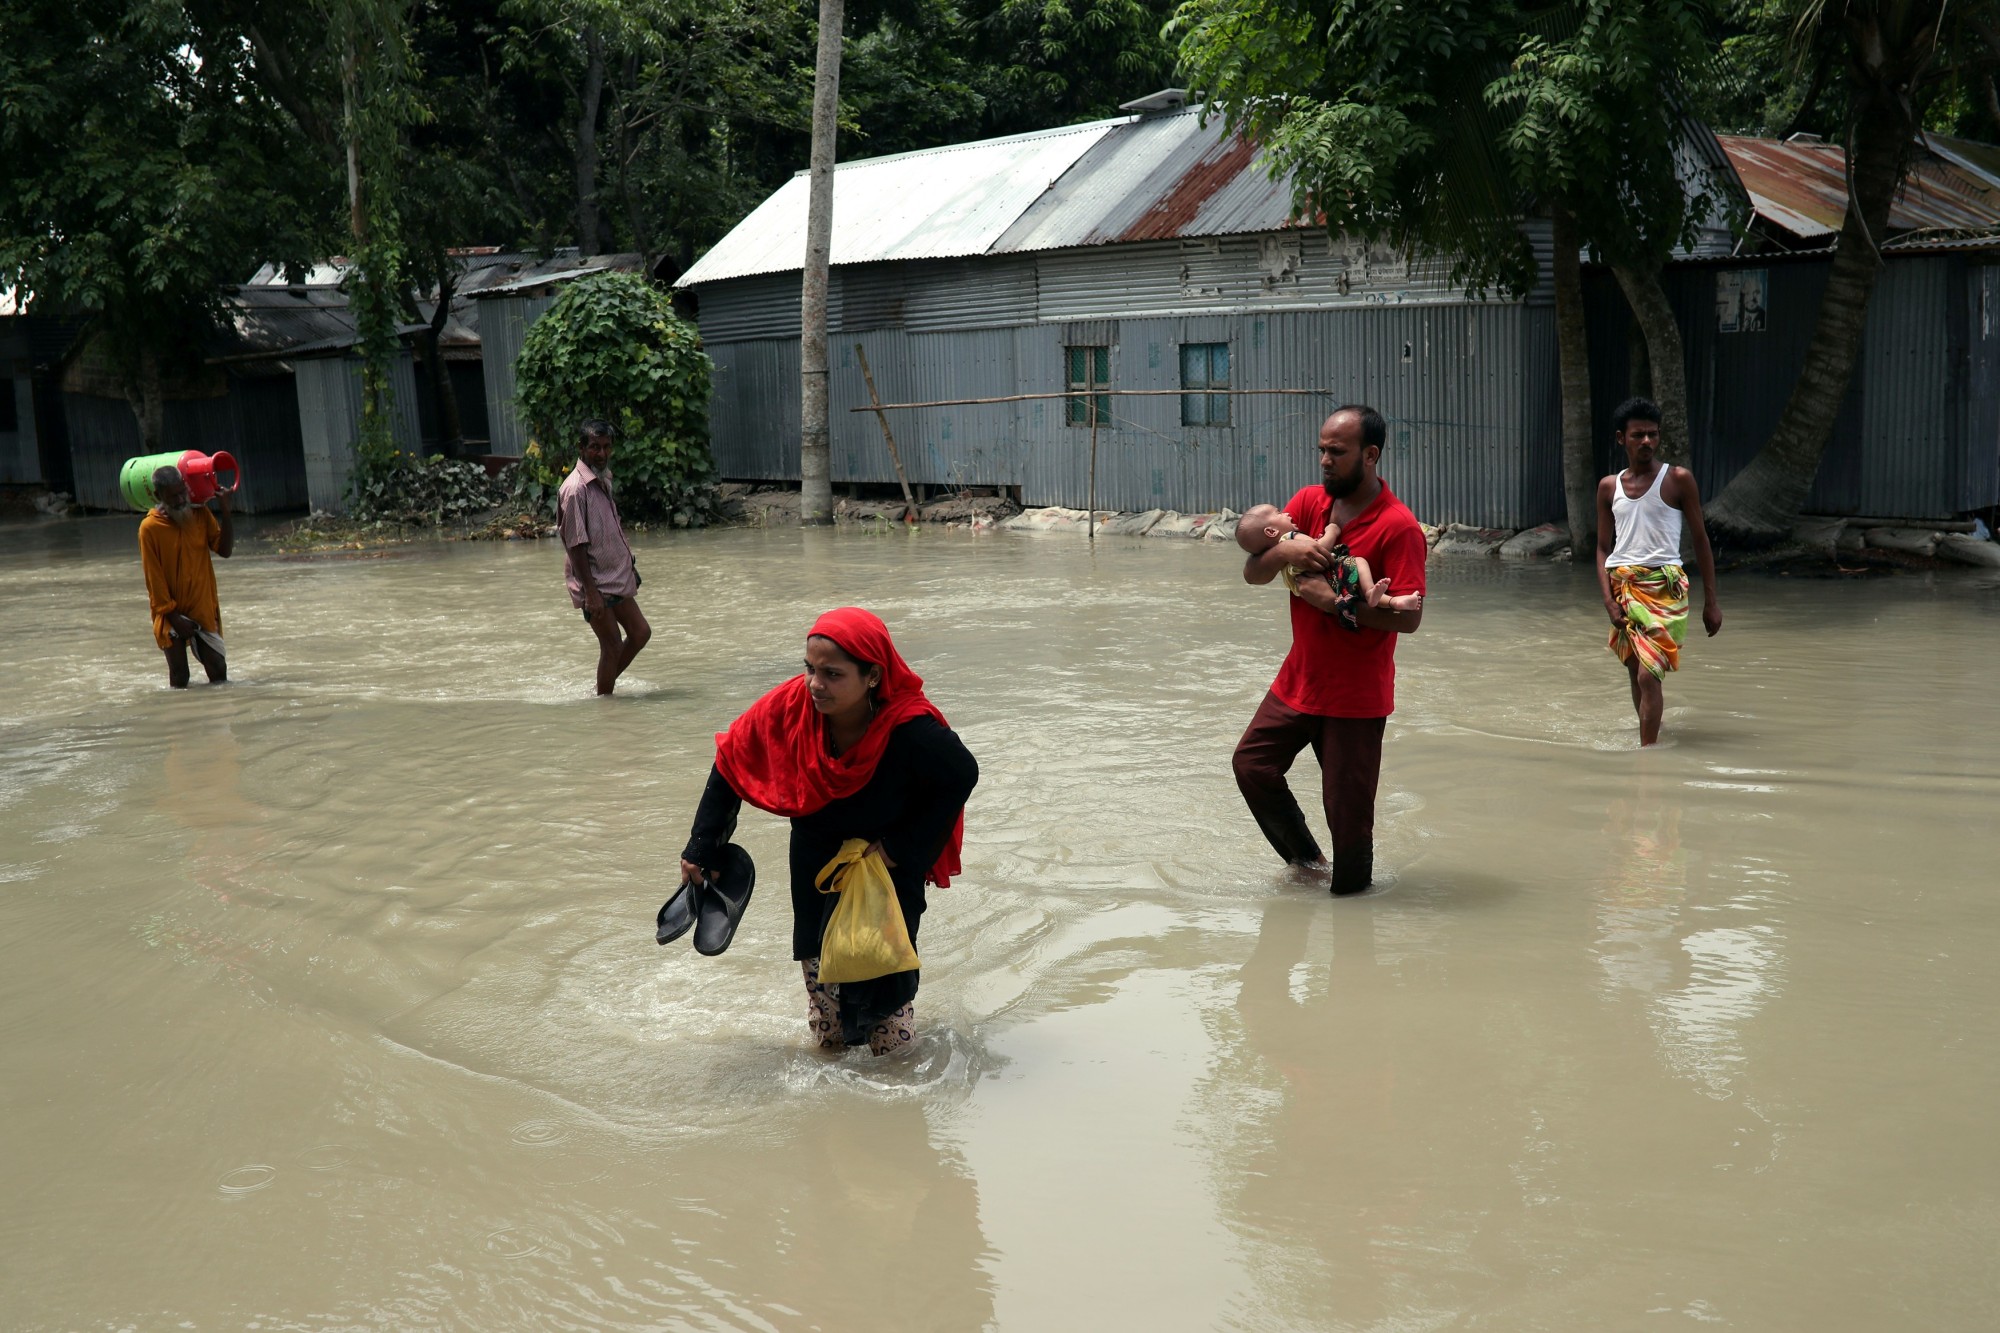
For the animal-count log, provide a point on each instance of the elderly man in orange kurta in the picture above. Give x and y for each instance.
(175, 539)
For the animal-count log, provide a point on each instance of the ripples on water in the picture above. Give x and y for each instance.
(333, 1000)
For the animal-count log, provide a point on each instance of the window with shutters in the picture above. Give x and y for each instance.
(1204, 366)
(1089, 368)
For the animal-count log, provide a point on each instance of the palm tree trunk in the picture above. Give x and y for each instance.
(815, 452)
(1664, 355)
(1573, 358)
(1762, 502)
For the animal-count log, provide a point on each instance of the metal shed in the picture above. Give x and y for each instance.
(1918, 435)
(255, 418)
(983, 270)
(329, 414)
(246, 407)
(34, 446)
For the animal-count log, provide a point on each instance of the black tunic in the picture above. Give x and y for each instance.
(909, 806)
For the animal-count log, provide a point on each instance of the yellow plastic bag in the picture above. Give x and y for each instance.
(866, 937)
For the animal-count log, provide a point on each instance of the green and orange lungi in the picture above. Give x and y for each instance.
(1345, 576)
(1655, 603)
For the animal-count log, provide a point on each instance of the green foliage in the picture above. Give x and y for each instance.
(706, 104)
(369, 42)
(1046, 62)
(1595, 99)
(698, 106)
(427, 492)
(612, 347)
(157, 151)
(143, 168)
(1437, 127)
(1785, 66)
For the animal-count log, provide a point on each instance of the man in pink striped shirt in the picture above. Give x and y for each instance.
(597, 561)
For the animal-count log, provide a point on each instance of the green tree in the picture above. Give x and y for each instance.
(143, 170)
(450, 185)
(1438, 128)
(612, 347)
(1898, 61)
(1041, 63)
(646, 116)
(346, 74)
(370, 47)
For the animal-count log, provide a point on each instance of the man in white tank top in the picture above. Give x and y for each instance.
(1641, 513)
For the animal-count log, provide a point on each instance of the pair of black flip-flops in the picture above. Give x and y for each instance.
(710, 907)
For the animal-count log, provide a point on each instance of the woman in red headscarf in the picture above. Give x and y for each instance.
(849, 749)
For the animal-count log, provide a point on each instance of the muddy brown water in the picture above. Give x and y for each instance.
(331, 998)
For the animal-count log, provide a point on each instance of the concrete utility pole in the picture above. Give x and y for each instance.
(815, 484)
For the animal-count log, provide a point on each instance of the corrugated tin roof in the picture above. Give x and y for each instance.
(276, 322)
(1164, 177)
(1981, 159)
(514, 279)
(1802, 188)
(273, 321)
(940, 203)
(1155, 179)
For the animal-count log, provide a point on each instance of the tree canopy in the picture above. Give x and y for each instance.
(1438, 127)
(144, 167)
(158, 151)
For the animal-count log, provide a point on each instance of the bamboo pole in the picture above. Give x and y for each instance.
(909, 501)
(1090, 512)
(1099, 393)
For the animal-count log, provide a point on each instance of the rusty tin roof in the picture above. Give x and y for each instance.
(1800, 187)
(1147, 177)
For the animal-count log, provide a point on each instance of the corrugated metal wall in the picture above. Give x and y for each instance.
(1912, 370)
(257, 421)
(1454, 382)
(329, 415)
(1981, 400)
(1222, 274)
(754, 413)
(940, 446)
(1916, 436)
(924, 296)
(102, 435)
(753, 408)
(760, 307)
(20, 452)
(1540, 406)
(1472, 433)
(968, 294)
(329, 396)
(1470, 388)
(267, 429)
(503, 325)
(1283, 270)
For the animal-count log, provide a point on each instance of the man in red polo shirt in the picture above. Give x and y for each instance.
(1338, 685)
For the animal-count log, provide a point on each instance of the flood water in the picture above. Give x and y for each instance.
(331, 996)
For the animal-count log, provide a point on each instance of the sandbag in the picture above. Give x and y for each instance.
(865, 938)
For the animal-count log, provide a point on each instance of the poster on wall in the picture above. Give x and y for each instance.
(1739, 300)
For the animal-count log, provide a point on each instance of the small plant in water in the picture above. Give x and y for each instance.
(422, 492)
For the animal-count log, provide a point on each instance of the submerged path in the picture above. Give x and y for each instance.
(332, 998)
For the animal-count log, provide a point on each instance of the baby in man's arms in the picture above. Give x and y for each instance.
(1348, 577)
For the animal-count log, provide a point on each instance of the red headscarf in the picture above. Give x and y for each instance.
(775, 755)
